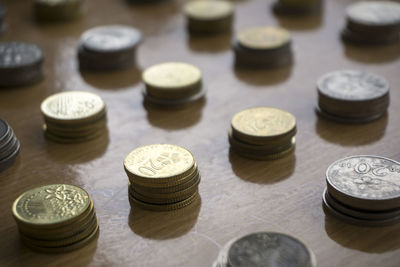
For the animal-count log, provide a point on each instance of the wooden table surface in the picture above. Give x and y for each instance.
(238, 196)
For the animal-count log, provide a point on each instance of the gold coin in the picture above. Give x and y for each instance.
(68, 140)
(163, 207)
(257, 156)
(263, 37)
(73, 107)
(208, 10)
(51, 206)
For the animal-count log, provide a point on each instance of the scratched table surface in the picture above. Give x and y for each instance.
(238, 196)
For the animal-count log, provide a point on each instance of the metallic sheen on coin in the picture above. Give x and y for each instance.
(378, 13)
(263, 37)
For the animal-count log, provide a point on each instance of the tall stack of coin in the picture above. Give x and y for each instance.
(372, 22)
(297, 7)
(110, 47)
(363, 190)
(263, 133)
(172, 83)
(57, 10)
(266, 47)
(74, 116)
(20, 64)
(265, 249)
(162, 177)
(55, 218)
(9, 145)
(206, 16)
(352, 96)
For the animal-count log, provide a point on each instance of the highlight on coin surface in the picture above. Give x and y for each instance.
(9, 146)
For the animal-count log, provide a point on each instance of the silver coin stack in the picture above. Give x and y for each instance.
(9, 145)
(352, 96)
(372, 22)
(297, 7)
(363, 190)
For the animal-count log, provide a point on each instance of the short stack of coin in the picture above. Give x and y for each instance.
(74, 116)
(206, 16)
(363, 190)
(111, 47)
(262, 133)
(263, 47)
(298, 7)
(55, 218)
(372, 22)
(265, 249)
(162, 177)
(57, 10)
(352, 96)
(21, 64)
(9, 145)
(172, 83)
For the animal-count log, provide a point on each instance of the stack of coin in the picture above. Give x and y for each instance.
(20, 64)
(55, 218)
(206, 16)
(57, 10)
(351, 96)
(372, 22)
(363, 190)
(266, 47)
(9, 145)
(111, 47)
(266, 249)
(297, 7)
(263, 133)
(172, 83)
(162, 177)
(74, 116)
(2, 15)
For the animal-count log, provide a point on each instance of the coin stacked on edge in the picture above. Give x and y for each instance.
(55, 218)
(74, 116)
(352, 96)
(172, 83)
(162, 177)
(57, 10)
(9, 145)
(372, 22)
(265, 249)
(209, 16)
(298, 7)
(265, 47)
(263, 133)
(111, 47)
(20, 64)
(363, 190)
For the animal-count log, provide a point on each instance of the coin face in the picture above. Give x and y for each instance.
(172, 75)
(269, 249)
(352, 85)
(208, 9)
(263, 37)
(263, 122)
(379, 13)
(111, 38)
(159, 161)
(366, 177)
(16, 54)
(72, 105)
(51, 204)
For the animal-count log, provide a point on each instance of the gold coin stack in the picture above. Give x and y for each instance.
(162, 177)
(55, 218)
(74, 116)
(263, 133)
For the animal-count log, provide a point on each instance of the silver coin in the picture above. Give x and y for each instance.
(17, 55)
(347, 120)
(4, 131)
(7, 162)
(376, 13)
(365, 182)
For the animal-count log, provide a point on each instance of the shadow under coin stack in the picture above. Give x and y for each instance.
(59, 10)
(111, 47)
(74, 116)
(162, 177)
(172, 83)
(298, 7)
(363, 190)
(351, 96)
(263, 133)
(9, 145)
(372, 22)
(55, 218)
(263, 47)
(265, 249)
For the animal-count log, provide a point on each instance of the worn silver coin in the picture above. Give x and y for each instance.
(18, 54)
(377, 13)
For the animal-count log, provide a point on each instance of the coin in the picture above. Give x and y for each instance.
(163, 207)
(348, 120)
(57, 10)
(4, 130)
(264, 156)
(173, 102)
(374, 13)
(208, 10)
(263, 38)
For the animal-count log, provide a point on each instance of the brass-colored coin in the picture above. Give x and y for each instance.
(208, 10)
(83, 127)
(70, 140)
(163, 207)
(151, 200)
(262, 38)
(51, 206)
(264, 156)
